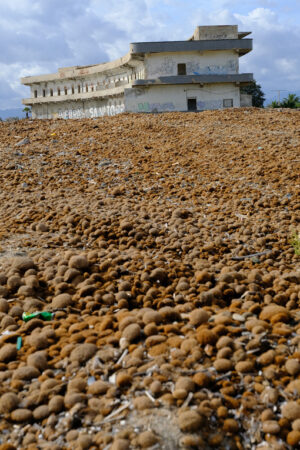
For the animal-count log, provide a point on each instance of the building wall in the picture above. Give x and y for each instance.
(79, 109)
(204, 33)
(174, 98)
(246, 100)
(143, 99)
(204, 63)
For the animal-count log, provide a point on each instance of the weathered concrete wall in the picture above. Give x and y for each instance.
(217, 62)
(204, 33)
(246, 100)
(79, 109)
(174, 98)
(97, 82)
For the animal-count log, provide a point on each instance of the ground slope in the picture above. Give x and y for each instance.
(162, 243)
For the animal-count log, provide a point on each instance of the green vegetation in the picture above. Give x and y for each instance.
(258, 97)
(27, 110)
(291, 101)
(295, 242)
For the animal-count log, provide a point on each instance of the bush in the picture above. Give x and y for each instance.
(291, 101)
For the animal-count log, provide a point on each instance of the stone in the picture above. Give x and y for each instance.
(38, 341)
(99, 387)
(231, 426)
(8, 353)
(62, 301)
(42, 227)
(152, 317)
(21, 415)
(4, 306)
(198, 316)
(41, 412)
(23, 263)
(72, 399)
(296, 425)
(8, 402)
(120, 444)
(244, 366)
(147, 439)
(84, 441)
(185, 383)
(271, 310)
(56, 404)
(271, 427)
(189, 421)
(131, 332)
(202, 276)
(79, 262)
(26, 373)
(38, 360)
(123, 379)
(223, 365)
(159, 275)
(83, 352)
(291, 410)
(77, 384)
(293, 438)
(292, 366)
(142, 402)
(206, 336)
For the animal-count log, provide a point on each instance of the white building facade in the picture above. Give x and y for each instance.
(195, 75)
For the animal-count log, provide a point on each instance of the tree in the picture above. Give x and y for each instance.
(291, 101)
(275, 104)
(254, 89)
(27, 110)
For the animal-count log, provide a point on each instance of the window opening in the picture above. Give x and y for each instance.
(192, 104)
(86, 88)
(73, 90)
(78, 88)
(44, 92)
(58, 91)
(35, 94)
(66, 91)
(181, 69)
(228, 103)
(51, 92)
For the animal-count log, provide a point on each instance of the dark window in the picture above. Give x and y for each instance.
(228, 103)
(44, 92)
(35, 94)
(58, 91)
(86, 88)
(51, 92)
(66, 91)
(181, 69)
(192, 104)
(78, 88)
(73, 90)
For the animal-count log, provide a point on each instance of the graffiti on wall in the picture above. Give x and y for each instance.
(80, 113)
(167, 66)
(196, 69)
(153, 107)
(210, 104)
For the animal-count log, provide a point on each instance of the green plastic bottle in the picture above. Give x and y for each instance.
(46, 315)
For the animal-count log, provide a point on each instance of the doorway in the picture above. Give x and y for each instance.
(192, 104)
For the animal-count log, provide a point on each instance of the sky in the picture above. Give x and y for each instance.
(38, 36)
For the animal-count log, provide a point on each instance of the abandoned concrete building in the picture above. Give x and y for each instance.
(194, 75)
